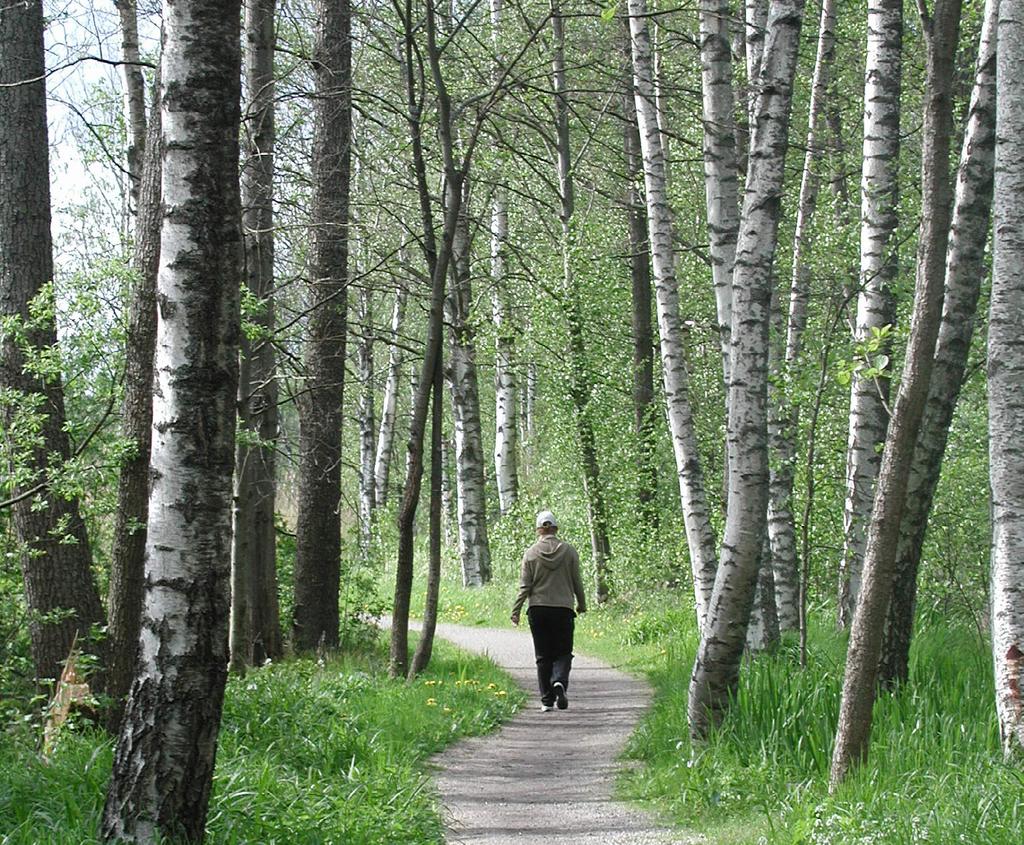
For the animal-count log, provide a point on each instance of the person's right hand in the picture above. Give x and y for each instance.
(515, 619)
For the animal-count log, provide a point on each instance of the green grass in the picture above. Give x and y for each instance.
(307, 754)
(935, 772)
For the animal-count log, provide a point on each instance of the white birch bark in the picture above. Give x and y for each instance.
(782, 429)
(869, 415)
(716, 669)
(389, 404)
(1006, 384)
(506, 424)
(474, 549)
(448, 497)
(163, 761)
(720, 167)
(699, 532)
(755, 19)
(506, 388)
(367, 419)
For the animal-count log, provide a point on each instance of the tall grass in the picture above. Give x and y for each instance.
(308, 755)
(934, 775)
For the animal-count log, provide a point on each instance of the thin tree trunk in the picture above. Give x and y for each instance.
(644, 419)
(389, 404)
(60, 593)
(367, 420)
(134, 98)
(716, 670)
(965, 270)
(128, 548)
(425, 646)
(506, 387)
(579, 388)
(700, 535)
(318, 527)
(876, 305)
(782, 428)
(1005, 377)
(255, 617)
(474, 549)
(438, 258)
(163, 760)
(861, 676)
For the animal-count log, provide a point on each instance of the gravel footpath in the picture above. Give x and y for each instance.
(547, 777)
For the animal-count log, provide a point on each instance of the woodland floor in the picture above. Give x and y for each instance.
(548, 777)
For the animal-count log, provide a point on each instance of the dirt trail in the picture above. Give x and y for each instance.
(547, 777)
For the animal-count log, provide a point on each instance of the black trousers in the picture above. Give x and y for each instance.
(552, 629)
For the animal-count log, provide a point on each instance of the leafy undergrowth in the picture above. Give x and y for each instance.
(935, 773)
(308, 754)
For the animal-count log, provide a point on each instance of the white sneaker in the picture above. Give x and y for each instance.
(561, 699)
(546, 708)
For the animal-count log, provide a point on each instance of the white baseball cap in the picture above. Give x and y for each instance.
(546, 518)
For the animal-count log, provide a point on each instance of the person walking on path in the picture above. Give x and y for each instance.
(550, 579)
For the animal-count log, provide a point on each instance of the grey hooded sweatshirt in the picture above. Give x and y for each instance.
(550, 576)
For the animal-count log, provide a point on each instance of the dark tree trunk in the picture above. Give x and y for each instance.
(425, 647)
(61, 595)
(643, 337)
(255, 617)
(965, 260)
(318, 548)
(861, 676)
(438, 258)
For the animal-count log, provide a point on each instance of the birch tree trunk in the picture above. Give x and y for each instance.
(506, 388)
(367, 420)
(861, 675)
(318, 528)
(134, 97)
(782, 427)
(255, 618)
(1005, 376)
(389, 404)
(755, 22)
(163, 760)
(474, 549)
(876, 307)
(128, 547)
(716, 670)
(700, 536)
(720, 164)
(579, 387)
(57, 574)
(644, 420)
(965, 270)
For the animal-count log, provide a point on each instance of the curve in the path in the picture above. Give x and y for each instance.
(547, 777)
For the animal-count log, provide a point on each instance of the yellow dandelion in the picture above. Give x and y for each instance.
(431, 702)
